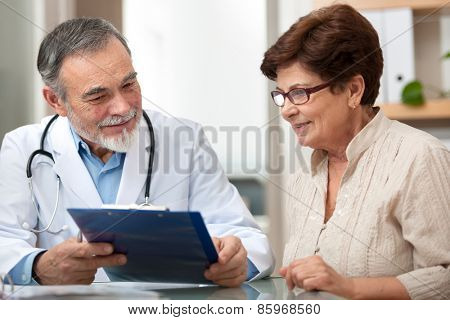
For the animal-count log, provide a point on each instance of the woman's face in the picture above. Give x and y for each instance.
(319, 123)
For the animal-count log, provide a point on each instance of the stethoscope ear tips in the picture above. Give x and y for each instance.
(64, 227)
(26, 226)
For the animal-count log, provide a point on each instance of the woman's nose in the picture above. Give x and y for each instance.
(288, 110)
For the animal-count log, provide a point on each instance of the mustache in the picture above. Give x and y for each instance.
(116, 120)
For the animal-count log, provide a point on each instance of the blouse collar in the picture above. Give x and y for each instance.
(360, 143)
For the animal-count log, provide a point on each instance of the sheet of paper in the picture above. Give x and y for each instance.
(145, 286)
(80, 292)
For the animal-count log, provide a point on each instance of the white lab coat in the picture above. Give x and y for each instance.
(186, 176)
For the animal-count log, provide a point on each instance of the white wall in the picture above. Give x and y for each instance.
(199, 59)
(16, 64)
(23, 25)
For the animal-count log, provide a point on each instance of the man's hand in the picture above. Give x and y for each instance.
(72, 262)
(231, 268)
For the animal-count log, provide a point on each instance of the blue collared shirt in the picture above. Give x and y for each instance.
(106, 177)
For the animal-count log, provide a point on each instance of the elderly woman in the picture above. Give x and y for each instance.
(370, 218)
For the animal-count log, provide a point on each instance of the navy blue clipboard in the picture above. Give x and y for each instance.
(161, 246)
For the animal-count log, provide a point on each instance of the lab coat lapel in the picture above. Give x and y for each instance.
(69, 166)
(135, 167)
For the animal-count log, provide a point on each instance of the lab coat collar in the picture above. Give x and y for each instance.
(69, 166)
(135, 167)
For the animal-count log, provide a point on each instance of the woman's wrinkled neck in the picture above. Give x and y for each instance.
(361, 117)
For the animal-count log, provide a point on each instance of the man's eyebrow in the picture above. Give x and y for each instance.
(96, 90)
(131, 76)
(92, 91)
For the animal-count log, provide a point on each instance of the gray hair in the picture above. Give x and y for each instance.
(76, 36)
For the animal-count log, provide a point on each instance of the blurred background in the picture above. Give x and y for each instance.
(199, 59)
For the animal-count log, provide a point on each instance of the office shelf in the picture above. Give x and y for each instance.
(384, 4)
(431, 110)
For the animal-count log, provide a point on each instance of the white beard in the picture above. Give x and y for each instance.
(120, 143)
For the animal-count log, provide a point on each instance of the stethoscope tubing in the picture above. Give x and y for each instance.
(41, 151)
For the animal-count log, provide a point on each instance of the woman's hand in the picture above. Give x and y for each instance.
(312, 273)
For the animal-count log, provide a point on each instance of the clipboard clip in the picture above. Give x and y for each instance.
(134, 206)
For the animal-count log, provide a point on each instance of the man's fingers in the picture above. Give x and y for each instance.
(239, 259)
(233, 281)
(87, 280)
(216, 242)
(87, 250)
(96, 262)
(230, 247)
(83, 277)
(235, 266)
(231, 269)
(111, 261)
(233, 273)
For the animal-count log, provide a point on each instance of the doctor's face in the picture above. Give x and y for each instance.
(103, 97)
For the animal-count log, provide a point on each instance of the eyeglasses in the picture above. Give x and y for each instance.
(297, 95)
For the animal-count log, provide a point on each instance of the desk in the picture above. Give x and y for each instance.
(266, 289)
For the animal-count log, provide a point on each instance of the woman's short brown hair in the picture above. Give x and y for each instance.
(334, 42)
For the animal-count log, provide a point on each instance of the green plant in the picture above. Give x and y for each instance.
(412, 93)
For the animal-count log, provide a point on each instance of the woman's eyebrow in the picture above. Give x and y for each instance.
(296, 85)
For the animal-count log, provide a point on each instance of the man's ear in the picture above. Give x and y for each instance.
(54, 101)
(355, 88)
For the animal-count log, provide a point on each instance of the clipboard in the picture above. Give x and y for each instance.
(161, 246)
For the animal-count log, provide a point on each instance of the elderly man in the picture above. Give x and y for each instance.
(96, 152)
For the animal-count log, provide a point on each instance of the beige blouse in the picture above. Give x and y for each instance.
(392, 215)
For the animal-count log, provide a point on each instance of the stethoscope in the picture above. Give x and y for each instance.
(41, 151)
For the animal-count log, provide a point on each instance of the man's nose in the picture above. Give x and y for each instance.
(119, 105)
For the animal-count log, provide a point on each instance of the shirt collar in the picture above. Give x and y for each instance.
(78, 142)
(368, 135)
(83, 146)
(360, 143)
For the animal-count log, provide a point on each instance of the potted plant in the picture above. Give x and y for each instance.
(412, 93)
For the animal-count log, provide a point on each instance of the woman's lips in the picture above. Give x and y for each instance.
(300, 128)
